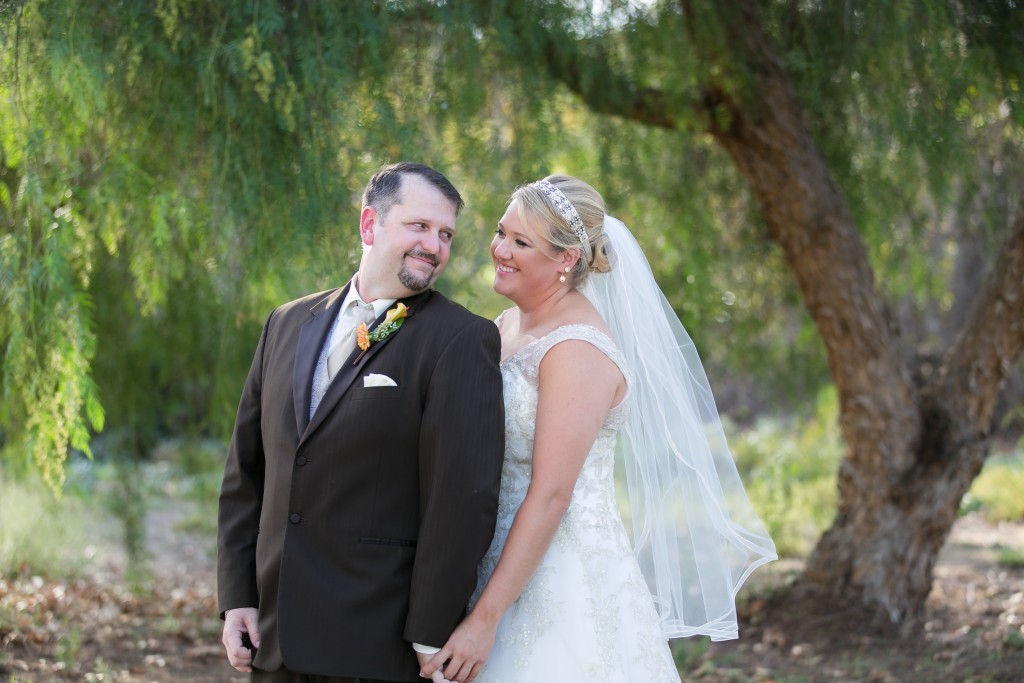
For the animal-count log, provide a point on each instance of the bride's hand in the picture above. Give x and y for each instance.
(466, 651)
(437, 676)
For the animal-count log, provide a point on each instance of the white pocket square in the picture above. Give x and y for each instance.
(375, 380)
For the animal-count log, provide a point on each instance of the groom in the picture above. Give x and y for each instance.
(361, 484)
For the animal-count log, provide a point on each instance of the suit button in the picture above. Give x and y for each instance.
(300, 461)
(295, 518)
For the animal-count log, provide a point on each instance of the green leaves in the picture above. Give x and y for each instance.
(49, 345)
(203, 162)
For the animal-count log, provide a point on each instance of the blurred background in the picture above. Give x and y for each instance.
(172, 170)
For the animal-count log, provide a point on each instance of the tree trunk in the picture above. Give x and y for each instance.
(911, 453)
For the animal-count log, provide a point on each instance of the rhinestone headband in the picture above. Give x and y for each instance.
(568, 213)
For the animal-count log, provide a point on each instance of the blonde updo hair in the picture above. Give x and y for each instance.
(536, 209)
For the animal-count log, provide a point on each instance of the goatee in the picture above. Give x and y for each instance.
(414, 281)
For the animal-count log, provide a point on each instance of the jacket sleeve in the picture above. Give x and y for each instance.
(241, 496)
(461, 448)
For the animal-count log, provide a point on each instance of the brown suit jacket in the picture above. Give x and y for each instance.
(359, 531)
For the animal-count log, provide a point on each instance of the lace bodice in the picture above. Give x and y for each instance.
(520, 378)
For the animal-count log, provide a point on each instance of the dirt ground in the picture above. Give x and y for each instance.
(95, 629)
(973, 630)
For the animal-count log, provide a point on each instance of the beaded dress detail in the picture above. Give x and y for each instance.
(586, 614)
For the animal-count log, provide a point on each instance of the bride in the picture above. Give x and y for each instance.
(594, 362)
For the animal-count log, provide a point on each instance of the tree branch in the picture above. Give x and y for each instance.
(763, 129)
(603, 90)
(990, 341)
(582, 66)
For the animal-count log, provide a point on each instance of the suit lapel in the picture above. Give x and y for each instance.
(353, 367)
(312, 336)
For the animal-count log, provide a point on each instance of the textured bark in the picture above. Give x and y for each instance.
(911, 452)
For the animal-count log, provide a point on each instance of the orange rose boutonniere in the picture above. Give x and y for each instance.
(392, 321)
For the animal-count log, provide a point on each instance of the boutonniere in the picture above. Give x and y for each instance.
(392, 321)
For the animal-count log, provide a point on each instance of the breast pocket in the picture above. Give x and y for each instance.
(392, 542)
(365, 393)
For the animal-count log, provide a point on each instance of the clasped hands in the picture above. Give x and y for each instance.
(465, 653)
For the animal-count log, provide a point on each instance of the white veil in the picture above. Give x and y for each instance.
(695, 534)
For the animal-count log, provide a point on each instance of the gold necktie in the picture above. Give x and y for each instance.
(361, 314)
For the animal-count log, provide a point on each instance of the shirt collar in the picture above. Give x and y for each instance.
(379, 306)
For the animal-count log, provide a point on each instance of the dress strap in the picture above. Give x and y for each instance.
(577, 332)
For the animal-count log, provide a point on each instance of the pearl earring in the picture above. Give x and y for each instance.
(561, 278)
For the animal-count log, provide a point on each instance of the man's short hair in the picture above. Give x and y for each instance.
(384, 189)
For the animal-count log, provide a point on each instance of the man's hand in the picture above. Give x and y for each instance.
(239, 622)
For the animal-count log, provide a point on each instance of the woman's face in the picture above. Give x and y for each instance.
(525, 265)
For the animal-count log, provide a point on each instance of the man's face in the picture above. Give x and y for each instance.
(408, 247)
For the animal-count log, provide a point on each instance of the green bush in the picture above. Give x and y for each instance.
(1012, 558)
(39, 534)
(996, 492)
(197, 466)
(192, 469)
(788, 467)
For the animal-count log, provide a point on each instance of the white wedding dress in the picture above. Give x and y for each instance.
(586, 615)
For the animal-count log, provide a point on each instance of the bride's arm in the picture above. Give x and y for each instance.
(577, 386)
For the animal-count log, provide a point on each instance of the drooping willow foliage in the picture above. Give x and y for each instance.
(172, 169)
